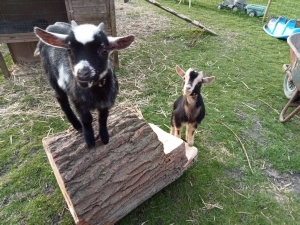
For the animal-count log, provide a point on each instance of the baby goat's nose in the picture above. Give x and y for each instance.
(188, 87)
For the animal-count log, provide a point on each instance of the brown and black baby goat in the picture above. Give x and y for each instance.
(189, 108)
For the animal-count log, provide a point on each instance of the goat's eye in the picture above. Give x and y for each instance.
(103, 52)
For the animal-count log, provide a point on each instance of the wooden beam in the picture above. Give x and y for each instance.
(3, 67)
(267, 10)
(183, 17)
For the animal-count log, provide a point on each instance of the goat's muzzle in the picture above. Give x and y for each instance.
(187, 90)
(84, 77)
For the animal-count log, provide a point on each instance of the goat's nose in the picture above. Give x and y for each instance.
(84, 73)
(188, 87)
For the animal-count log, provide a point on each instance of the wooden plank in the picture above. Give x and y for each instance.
(23, 51)
(19, 40)
(86, 17)
(89, 3)
(18, 37)
(183, 17)
(89, 10)
(112, 17)
(113, 33)
(68, 4)
(3, 67)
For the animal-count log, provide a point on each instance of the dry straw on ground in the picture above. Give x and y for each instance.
(29, 77)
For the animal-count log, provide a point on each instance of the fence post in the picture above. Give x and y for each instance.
(3, 67)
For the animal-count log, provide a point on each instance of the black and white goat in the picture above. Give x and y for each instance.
(189, 108)
(76, 61)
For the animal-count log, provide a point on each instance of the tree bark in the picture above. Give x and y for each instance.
(103, 184)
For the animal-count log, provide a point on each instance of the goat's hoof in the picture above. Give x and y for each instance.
(78, 128)
(90, 145)
(105, 140)
(90, 142)
(104, 136)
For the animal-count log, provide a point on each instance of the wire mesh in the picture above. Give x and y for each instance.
(20, 16)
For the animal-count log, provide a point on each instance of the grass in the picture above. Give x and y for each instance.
(246, 97)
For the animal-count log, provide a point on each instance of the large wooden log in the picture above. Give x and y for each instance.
(103, 184)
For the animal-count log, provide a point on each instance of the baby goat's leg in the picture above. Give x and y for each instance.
(175, 127)
(172, 130)
(177, 131)
(190, 132)
(102, 119)
(65, 106)
(86, 119)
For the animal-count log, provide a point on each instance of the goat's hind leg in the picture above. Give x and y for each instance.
(102, 119)
(63, 101)
(172, 129)
(176, 127)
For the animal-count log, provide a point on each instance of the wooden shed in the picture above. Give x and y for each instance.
(18, 17)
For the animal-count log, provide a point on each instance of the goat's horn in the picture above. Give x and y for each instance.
(101, 26)
(74, 24)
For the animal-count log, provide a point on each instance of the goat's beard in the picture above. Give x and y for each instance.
(83, 84)
(186, 93)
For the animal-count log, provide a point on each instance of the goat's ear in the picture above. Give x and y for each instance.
(53, 39)
(118, 43)
(208, 79)
(179, 71)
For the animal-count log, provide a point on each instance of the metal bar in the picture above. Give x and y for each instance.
(291, 103)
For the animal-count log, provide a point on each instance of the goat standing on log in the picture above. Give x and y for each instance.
(189, 108)
(76, 61)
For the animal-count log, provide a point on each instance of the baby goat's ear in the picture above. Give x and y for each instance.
(208, 79)
(179, 71)
(49, 38)
(118, 43)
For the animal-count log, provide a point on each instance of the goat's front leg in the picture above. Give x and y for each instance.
(172, 130)
(190, 133)
(175, 127)
(86, 120)
(102, 119)
(177, 131)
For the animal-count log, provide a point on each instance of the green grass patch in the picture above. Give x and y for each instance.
(246, 97)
